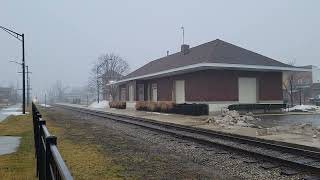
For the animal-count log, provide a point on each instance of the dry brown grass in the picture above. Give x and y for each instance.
(160, 106)
(85, 160)
(21, 164)
(117, 104)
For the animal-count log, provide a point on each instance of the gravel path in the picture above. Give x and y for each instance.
(150, 155)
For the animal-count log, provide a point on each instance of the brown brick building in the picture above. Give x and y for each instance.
(217, 73)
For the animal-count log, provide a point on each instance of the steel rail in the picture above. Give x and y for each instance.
(207, 137)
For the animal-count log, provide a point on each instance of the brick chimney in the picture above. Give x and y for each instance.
(185, 48)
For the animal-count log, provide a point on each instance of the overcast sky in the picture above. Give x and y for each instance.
(64, 37)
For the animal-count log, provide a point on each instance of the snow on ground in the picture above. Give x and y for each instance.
(303, 108)
(45, 105)
(101, 105)
(12, 110)
(233, 120)
(9, 144)
(229, 119)
(14, 113)
(158, 113)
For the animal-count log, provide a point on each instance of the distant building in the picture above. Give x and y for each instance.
(6, 95)
(305, 84)
(315, 74)
(216, 73)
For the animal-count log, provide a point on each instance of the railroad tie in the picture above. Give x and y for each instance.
(288, 172)
(311, 178)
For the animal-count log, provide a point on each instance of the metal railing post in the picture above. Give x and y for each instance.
(41, 156)
(50, 140)
(35, 125)
(37, 140)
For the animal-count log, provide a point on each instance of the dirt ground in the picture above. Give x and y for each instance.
(133, 157)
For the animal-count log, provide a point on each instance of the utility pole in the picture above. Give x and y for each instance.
(20, 37)
(182, 34)
(23, 78)
(45, 100)
(28, 86)
(300, 94)
(28, 82)
(87, 100)
(291, 89)
(17, 91)
(98, 86)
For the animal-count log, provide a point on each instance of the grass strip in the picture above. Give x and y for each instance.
(20, 164)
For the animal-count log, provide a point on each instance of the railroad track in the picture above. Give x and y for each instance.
(297, 157)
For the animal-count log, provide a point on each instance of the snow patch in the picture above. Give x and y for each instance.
(12, 109)
(158, 113)
(9, 144)
(101, 105)
(229, 119)
(303, 108)
(14, 113)
(45, 105)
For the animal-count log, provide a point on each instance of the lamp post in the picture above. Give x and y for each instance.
(20, 37)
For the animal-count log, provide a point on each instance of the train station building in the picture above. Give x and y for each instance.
(216, 73)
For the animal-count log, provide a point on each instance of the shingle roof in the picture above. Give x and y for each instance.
(216, 51)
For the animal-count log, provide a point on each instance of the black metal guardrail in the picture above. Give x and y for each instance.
(50, 165)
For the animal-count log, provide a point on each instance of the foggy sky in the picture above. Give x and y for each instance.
(64, 38)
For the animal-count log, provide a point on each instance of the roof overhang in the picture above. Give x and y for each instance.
(205, 66)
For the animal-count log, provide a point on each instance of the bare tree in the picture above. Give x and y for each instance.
(58, 91)
(95, 81)
(108, 68)
(291, 83)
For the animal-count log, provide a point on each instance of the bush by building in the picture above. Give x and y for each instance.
(117, 104)
(160, 106)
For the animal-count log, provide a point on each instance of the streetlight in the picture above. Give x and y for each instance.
(20, 37)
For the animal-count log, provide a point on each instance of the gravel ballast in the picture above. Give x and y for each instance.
(150, 154)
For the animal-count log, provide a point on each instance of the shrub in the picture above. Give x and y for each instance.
(166, 106)
(153, 106)
(160, 106)
(141, 105)
(117, 104)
